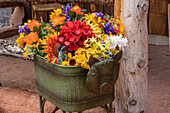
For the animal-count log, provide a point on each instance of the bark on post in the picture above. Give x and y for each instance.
(131, 87)
(169, 22)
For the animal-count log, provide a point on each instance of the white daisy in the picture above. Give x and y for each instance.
(119, 41)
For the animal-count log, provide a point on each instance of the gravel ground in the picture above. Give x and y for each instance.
(19, 75)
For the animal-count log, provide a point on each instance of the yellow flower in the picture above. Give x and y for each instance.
(103, 36)
(27, 52)
(96, 29)
(82, 56)
(55, 13)
(64, 63)
(29, 21)
(70, 61)
(91, 17)
(121, 28)
(20, 41)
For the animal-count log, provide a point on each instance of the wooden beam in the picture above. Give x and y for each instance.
(8, 31)
(5, 4)
(47, 7)
(131, 87)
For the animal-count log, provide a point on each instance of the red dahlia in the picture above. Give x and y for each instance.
(74, 34)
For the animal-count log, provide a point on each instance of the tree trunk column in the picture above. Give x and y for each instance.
(131, 87)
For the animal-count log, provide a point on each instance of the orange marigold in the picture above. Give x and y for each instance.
(31, 37)
(77, 9)
(33, 23)
(58, 20)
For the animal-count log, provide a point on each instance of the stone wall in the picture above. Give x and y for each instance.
(5, 15)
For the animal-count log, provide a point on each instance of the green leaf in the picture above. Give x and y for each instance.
(30, 49)
(43, 33)
(42, 53)
(30, 53)
(35, 29)
(43, 24)
(84, 10)
(41, 19)
(103, 30)
(25, 34)
(34, 51)
(64, 23)
(42, 37)
(71, 14)
(47, 24)
(76, 18)
(80, 17)
(63, 7)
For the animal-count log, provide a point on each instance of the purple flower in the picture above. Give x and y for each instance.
(21, 30)
(67, 8)
(67, 18)
(109, 28)
(99, 15)
(24, 30)
(27, 30)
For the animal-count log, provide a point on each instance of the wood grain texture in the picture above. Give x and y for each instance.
(158, 18)
(117, 9)
(131, 87)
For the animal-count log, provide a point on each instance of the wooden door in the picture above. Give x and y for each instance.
(158, 17)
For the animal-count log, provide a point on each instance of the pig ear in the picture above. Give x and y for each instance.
(118, 56)
(92, 60)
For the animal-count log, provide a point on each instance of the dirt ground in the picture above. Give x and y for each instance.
(17, 94)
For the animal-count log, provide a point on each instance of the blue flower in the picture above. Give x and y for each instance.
(110, 55)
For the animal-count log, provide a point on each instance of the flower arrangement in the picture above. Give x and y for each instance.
(73, 36)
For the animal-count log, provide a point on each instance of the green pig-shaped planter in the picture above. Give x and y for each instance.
(103, 74)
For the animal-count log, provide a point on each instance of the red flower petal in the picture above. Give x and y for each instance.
(71, 39)
(84, 38)
(70, 47)
(76, 47)
(77, 39)
(78, 32)
(73, 34)
(80, 42)
(66, 43)
(61, 39)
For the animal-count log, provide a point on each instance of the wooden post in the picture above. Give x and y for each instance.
(117, 9)
(169, 21)
(131, 87)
